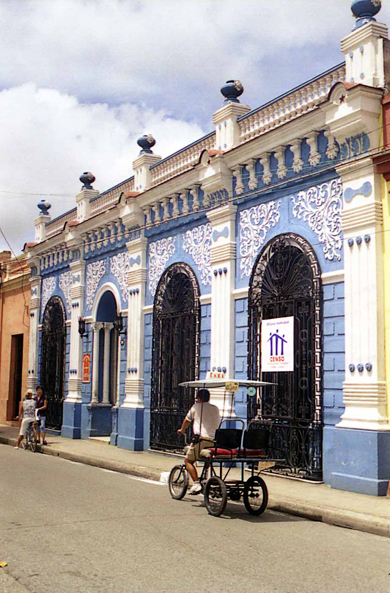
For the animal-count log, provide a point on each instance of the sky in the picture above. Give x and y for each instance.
(81, 80)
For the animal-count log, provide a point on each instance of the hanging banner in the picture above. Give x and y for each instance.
(277, 345)
(86, 368)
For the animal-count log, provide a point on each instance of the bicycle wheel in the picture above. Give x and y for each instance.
(178, 482)
(215, 496)
(33, 441)
(25, 441)
(255, 495)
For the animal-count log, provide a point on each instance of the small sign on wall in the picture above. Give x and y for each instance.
(86, 368)
(277, 345)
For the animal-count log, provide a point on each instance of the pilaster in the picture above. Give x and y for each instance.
(226, 126)
(362, 221)
(223, 260)
(35, 303)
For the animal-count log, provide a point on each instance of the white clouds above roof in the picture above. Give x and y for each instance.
(83, 79)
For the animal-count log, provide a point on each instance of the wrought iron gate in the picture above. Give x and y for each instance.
(286, 282)
(176, 320)
(53, 360)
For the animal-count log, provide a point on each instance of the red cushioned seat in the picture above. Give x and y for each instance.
(251, 453)
(218, 452)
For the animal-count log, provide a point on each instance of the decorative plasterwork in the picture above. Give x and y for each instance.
(297, 165)
(65, 283)
(197, 242)
(159, 253)
(333, 148)
(48, 287)
(281, 171)
(320, 206)
(253, 181)
(267, 175)
(254, 224)
(314, 157)
(95, 272)
(237, 173)
(354, 146)
(120, 265)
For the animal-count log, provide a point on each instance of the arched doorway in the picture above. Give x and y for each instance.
(53, 360)
(286, 281)
(176, 326)
(105, 353)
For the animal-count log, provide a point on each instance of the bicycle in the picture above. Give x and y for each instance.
(30, 438)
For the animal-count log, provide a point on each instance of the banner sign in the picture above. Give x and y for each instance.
(86, 368)
(277, 345)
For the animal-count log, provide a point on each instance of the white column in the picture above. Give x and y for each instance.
(76, 345)
(223, 257)
(365, 380)
(134, 384)
(106, 363)
(95, 365)
(35, 303)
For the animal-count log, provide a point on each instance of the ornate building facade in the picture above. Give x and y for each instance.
(276, 213)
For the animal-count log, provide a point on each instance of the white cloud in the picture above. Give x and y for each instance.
(82, 79)
(48, 139)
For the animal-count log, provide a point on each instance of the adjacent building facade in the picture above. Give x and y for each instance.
(277, 213)
(14, 333)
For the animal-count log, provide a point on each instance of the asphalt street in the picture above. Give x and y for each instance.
(67, 527)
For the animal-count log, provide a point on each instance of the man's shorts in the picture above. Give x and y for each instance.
(24, 426)
(194, 449)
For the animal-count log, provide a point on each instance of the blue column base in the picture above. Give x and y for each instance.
(131, 429)
(114, 429)
(357, 460)
(95, 421)
(71, 422)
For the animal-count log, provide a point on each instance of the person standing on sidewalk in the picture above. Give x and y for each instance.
(41, 401)
(205, 417)
(27, 415)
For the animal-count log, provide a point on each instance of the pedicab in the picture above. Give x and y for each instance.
(235, 446)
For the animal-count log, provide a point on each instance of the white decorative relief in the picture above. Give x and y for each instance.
(159, 253)
(320, 206)
(267, 175)
(254, 224)
(119, 267)
(197, 243)
(65, 283)
(95, 272)
(48, 287)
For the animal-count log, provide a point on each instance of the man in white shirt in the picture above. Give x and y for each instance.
(205, 417)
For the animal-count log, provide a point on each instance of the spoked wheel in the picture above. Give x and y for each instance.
(255, 495)
(215, 496)
(178, 482)
(25, 441)
(33, 441)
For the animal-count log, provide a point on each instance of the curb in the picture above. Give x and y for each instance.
(332, 516)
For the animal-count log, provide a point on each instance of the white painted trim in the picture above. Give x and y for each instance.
(104, 288)
(148, 309)
(241, 293)
(205, 299)
(332, 277)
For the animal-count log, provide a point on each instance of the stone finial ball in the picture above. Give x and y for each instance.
(366, 9)
(146, 142)
(44, 206)
(87, 179)
(232, 90)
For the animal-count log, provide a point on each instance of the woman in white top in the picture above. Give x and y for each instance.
(27, 413)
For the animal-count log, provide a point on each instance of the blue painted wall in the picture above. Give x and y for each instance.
(334, 352)
(205, 340)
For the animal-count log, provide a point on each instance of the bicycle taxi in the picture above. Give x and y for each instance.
(237, 452)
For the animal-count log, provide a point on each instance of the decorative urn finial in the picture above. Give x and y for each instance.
(146, 142)
(232, 90)
(87, 179)
(365, 11)
(44, 206)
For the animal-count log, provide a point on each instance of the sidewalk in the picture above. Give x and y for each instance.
(317, 502)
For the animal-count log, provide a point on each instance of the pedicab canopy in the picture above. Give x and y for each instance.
(218, 379)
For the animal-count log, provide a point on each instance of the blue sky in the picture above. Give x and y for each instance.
(81, 80)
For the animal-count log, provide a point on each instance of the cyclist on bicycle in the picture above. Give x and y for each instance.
(205, 417)
(27, 413)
